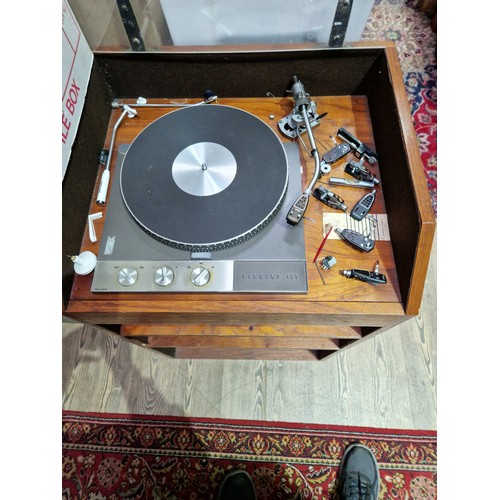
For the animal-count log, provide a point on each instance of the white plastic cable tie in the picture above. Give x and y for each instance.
(92, 218)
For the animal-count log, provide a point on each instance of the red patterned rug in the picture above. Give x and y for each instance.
(402, 22)
(108, 456)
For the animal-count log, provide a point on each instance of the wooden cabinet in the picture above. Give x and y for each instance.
(362, 90)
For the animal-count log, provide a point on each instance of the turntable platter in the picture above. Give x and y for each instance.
(204, 178)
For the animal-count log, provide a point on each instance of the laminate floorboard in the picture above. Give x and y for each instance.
(387, 380)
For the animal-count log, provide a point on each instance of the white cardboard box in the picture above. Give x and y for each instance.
(77, 61)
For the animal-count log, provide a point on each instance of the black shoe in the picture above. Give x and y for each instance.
(237, 485)
(358, 474)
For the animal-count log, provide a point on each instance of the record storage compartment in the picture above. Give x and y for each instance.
(363, 80)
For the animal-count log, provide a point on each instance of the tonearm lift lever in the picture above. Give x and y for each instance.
(303, 114)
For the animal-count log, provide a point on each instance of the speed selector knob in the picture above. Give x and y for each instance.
(200, 276)
(164, 276)
(127, 276)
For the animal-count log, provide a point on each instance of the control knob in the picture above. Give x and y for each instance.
(164, 276)
(127, 276)
(200, 276)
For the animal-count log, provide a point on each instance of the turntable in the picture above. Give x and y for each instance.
(198, 203)
(282, 312)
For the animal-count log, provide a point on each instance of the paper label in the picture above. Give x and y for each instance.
(110, 245)
(344, 220)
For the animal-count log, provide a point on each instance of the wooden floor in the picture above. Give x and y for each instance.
(387, 380)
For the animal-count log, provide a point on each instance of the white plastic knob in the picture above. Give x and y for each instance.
(84, 263)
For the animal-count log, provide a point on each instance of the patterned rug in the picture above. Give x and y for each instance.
(410, 29)
(139, 457)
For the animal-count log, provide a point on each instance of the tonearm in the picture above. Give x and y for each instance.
(302, 118)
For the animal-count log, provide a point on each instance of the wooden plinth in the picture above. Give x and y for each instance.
(335, 312)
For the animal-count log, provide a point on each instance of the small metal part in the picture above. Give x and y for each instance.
(293, 125)
(328, 262)
(325, 168)
(298, 209)
(303, 116)
(357, 240)
(360, 150)
(103, 156)
(127, 276)
(371, 277)
(200, 276)
(201, 256)
(164, 275)
(337, 152)
(340, 181)
(362, 207)
(329, 198)
(358, 171)
(271, 117)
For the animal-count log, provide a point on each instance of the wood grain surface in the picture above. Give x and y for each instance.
(350, 112)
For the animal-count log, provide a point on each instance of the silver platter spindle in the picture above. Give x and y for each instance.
(204, 169)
